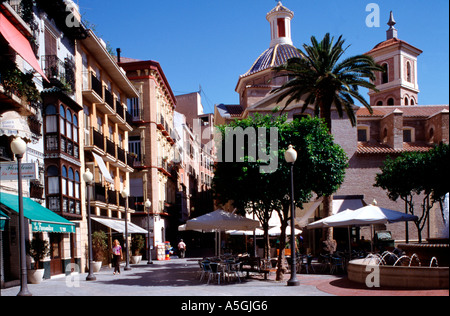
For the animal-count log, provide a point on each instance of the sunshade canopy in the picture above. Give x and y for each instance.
(220, 220)
(3, 219)
(42, 219)
(13, 124)
(119, 226)
(19, 43)
(367, 215)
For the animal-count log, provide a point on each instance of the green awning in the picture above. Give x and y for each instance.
(42, 219)
(3, 218)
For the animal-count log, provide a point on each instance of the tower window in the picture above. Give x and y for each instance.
(385, 74)
(390, 101)
(408, 71)
(406, 101)
(281, 28)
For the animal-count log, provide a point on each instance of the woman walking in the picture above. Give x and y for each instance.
(117, 256)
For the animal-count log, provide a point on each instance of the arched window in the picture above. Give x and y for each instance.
(385, 74)
(64, 180)
(77, 185)
(69, 124)
(71, 182)
(413, 102)
(75, 129)
(390, 101)
(52, 180)
(408, 71)
(380, 103)
(406, 101)
(62, 121)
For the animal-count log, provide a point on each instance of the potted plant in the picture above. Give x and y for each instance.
(99, 246)
(137, 244)
(38, 249)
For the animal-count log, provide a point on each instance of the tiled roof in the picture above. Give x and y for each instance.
(390, 42)
(280, 8)
(408, 111)
(230, 110)
(273, 57)
(377, 148)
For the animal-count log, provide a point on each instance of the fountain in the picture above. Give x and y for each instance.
(405, 272)
(403, 267)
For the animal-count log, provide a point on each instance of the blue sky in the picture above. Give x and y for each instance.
(211, 42)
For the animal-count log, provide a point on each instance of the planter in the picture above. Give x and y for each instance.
(136, 259)
(96, 266)
(35, 276)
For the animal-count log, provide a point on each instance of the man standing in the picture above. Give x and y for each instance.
(182, 248)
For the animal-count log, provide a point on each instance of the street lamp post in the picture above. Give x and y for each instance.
(291, 156)
(88, 177)
(19, 147)
(125, 195)
(148, 204)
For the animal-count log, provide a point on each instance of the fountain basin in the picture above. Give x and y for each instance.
(426, 251)
(413, 277)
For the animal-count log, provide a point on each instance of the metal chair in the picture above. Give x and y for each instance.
(214, 272)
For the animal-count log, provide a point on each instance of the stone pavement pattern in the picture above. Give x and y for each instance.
(178, 277)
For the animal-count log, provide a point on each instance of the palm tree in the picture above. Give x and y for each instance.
(324, 81)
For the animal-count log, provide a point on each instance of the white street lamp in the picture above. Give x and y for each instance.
(125, 194)
(148, 204)
(291, 156)
(19, 147)
(88, 178)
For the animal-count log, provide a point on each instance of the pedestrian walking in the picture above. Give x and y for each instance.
(182, 248)
(117, 256)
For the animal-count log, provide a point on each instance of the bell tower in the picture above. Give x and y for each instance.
(398, 85)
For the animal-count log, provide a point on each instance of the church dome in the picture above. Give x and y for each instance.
(281, 46)
(273, 57)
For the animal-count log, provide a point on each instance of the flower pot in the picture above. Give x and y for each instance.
(96, 266)
(35, 276)
(136, 259)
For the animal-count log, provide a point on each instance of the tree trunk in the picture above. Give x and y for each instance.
(329, 242)
(281, 265)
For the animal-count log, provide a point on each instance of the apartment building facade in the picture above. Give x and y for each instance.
(152, 141)
(76, 118)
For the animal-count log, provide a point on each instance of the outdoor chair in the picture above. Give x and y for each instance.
(214, 272)
(206, 270)
(337, 264)
(233, 269)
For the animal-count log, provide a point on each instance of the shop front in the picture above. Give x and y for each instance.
(41, 223)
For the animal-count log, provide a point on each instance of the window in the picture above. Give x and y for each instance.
(390, 101)
(408, 71)
(385, 74)
(281, 28)
(64, 180)
(75, 129)
(53, 180)
(406, 101)
(51, 119)
(363, 133)
(380, 103)
(408, 135)
(62, 123)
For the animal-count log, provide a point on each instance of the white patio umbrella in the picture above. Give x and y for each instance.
(276, 231)
(220, 220)
(367, 215)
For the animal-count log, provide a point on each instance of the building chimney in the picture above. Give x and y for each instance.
(118, 54)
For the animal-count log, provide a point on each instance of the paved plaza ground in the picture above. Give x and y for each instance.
(179, 277)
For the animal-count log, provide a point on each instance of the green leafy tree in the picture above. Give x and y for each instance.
(417, 176)
(320, 168)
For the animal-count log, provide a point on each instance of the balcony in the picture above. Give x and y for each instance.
(92, 88)
(99, 193)
(60, 73)
(111, 149)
